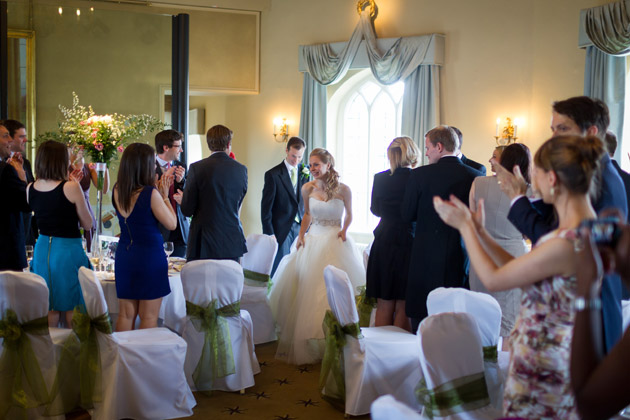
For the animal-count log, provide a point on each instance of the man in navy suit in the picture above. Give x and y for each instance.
(168, 146)
(611, 147)
(282, 207)
(438, 257)
(580, 116)
(215, 189)
(475, 165)
(13, 190)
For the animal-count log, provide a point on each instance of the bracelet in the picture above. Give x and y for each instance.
(581, 304)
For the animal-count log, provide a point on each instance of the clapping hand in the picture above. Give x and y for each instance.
(178, 196)
(17, 162)
(453, 212)
(164, 184)
(76, 175)
(179, 173)
(512, 184)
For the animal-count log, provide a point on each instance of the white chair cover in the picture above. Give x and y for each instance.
(27, 295)
(450, 349)
(261, 251)
(142, 370)
(383, 361)
(203, 281)
(487, 313)
(366, 254)
(387, 408)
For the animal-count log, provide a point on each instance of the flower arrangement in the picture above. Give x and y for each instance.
(304, 171)
(101, 137)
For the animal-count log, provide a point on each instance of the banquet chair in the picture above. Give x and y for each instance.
(24, 307)
(257, 264)
(487, 313)
(361, 364)
(387, 408)
(454, 385)
(141, 371)
(212, 289)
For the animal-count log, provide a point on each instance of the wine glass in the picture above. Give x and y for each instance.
(29, 254)
(168, 248)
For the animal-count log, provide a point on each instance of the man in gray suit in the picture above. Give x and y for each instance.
(214, 192)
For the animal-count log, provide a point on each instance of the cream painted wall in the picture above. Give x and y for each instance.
(503, 58)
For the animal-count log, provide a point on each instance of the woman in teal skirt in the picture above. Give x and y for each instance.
(59, 207)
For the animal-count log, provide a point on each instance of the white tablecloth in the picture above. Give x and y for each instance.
(172, 311)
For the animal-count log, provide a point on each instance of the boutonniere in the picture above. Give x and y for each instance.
(304, 171)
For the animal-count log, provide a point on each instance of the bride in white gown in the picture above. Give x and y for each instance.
(298, 296)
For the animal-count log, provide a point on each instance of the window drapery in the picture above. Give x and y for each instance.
(415, 59)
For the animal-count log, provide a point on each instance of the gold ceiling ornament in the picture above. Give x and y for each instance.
(361, 4)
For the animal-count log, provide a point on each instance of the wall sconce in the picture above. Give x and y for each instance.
(507, 135)
(281, 130)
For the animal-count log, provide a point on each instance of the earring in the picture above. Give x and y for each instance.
(552, 191)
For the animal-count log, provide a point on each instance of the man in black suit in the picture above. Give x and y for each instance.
(214, 192)
(580, 116)
(17, 131)
(475, 165)
(168, 146)
(611, 147)
(437, 255)
(13, 190)
(282, 207)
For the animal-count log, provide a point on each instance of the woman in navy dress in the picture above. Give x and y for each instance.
(388, 264)
(59, 208)
(141, 264)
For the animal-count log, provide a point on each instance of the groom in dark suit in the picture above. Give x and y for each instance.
(168, 146)
(282, 207)
(215, 189)
(438, 258)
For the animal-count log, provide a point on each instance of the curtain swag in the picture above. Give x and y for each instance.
(608, 27)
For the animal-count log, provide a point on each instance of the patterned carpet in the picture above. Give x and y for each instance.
(282, 392)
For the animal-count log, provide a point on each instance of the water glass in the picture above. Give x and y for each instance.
(169, 248)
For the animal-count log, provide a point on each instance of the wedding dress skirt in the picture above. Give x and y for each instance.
(298, 296)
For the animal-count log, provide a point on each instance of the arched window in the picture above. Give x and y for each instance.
(363, 118)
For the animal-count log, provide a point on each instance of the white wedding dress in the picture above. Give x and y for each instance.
(298, 295)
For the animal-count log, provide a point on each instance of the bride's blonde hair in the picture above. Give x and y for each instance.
(331, 183)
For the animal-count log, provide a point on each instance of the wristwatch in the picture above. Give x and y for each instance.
(581, 304)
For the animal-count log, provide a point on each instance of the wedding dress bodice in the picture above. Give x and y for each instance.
(325, 213)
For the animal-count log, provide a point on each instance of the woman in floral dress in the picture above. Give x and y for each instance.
(538, 383)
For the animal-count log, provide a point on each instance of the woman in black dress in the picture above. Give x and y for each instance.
(388, 264)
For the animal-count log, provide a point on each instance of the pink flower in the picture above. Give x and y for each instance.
(82, 123)
(121, 149)
(94, 134)
(98, 146)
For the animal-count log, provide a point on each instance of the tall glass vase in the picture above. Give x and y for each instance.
(97, 251)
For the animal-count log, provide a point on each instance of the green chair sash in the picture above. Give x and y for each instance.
(365, 305)
(457, 396)
(490, 354)
(89, 358)
(217, 360)
(65, 394)
(18, 360)
(332, 363)
(255, 279)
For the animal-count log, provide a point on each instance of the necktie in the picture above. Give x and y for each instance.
(294, 177)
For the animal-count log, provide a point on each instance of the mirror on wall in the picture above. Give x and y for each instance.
(21, 79)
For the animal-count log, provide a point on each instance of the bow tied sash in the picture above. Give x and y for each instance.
(332, 364)
(85, 329)
(466, 393)
(365, 305)
(18, 360)
(217, 360)
(490, 354)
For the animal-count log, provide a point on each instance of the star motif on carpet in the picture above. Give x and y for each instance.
(303, 369)
(259, 395)
(263, 364)
(234, 410)
(283, 381)
(286, 417)
(308, 402)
